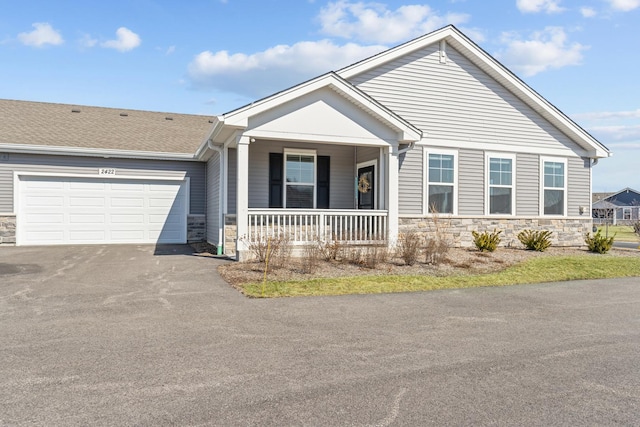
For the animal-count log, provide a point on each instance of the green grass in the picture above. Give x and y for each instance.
(623, 233)
(536, 270)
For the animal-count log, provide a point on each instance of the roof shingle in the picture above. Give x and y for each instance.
(64, 125)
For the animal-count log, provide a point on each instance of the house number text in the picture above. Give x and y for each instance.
(106, 171)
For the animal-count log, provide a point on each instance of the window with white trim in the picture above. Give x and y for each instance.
(300, 179)
(554, 186)
(500, 183)
(441, 181)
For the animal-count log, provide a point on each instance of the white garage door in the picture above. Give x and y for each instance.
(61, 210)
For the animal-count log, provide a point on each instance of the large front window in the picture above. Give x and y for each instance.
(500, 184)
(554, 187)
(300, 173)
(441, 182)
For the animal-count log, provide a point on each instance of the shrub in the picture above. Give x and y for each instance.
(535, 240)
(331, 250)
(598, 243)
(486, 241)
(435, 250)
(375, 255)
(409, 247)
(636, 228)
(311, 259)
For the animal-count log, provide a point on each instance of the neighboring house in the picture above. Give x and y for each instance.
(622, 207)
(433, 127)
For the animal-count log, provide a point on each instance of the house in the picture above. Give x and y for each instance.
(622, 207)
(433, 128)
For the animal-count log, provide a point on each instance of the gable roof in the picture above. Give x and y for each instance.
(228, 123)
(452, 36)
(611, 197)
(85, 130)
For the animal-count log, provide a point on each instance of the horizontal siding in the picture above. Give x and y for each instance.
(342, 172)
(578, 186)
(89, 166)
(458, 101)
(365, 154)
(471, 182)
(527, 185)
(213, 199)
(410, 181)
(231, 181)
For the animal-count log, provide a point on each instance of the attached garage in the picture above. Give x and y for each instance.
(56, 210)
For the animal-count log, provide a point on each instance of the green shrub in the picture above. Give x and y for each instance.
(486, 241)
(535, 240)
(598, 243)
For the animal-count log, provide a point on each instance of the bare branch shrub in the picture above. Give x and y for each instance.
(409, 247)
(311, 258)
(437, 245)
(331, 250)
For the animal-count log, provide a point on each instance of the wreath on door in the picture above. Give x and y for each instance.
(363, 184)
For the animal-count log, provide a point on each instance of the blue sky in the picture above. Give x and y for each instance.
(209, 57)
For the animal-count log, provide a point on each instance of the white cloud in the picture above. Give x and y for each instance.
(87, 41)
(629, 134)
(587, 12)
(274, 69)
(535, 6)
(374, 23)
(602, 115)
(624, 5)
(126, 40)
(170, 50)
(544, 50)
(42, 35)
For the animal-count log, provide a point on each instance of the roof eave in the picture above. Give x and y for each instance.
(93, 152)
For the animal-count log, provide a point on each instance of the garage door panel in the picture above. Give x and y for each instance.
(58, 210)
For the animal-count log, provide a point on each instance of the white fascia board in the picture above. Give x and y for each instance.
(93, 152)
(407, 132)
(211, 134)
(328, 139)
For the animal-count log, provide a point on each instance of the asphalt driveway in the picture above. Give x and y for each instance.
(138, 335)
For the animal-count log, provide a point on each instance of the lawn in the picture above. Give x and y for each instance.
(534, 270)
(623, 233)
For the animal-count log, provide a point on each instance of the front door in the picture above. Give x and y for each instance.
(366, 187)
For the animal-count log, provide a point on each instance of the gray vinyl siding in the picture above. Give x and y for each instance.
(231, 180)
(342, 171)
(458, 101)
(578, 186)
(410, 179)
(527, 185)
(213, 199)
(89, 166)
(471, 182)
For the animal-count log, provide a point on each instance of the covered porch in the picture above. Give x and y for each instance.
(316, 163)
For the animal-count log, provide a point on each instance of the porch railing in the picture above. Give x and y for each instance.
(306, 226)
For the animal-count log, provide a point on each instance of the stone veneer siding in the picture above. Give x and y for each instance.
(566, 231)
(7, 229)
(196, 228)
(230, 235)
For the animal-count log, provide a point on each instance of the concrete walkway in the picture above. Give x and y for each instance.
(138, 335)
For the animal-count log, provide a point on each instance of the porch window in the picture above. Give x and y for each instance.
(500, 173)
(300, 182)
(441, 182)
(554, 186)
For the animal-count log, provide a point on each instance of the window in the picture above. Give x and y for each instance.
(300, 179)
(441, 182)
(500, 181)
(626, 213)
(554, 186)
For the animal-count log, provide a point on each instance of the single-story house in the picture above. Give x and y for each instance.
(622, 207)
(434, 127)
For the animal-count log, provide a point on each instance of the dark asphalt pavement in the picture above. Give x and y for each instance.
(137, 335)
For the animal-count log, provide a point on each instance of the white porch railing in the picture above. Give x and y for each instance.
(306, 226)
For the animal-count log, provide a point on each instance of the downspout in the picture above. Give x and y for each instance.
(411, 146)
(219, 150)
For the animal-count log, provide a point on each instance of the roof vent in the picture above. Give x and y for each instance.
(168, 118)
(124, 115)
(210, 121)
(75, 110)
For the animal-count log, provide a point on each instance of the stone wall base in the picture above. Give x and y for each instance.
(566, 231)
(230, 235)
(196, 228)
(7, 230)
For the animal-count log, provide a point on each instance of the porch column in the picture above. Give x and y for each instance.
(392, 195)
(242, 195)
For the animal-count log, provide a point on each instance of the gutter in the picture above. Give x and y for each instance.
(94, 152)
(410, 147)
